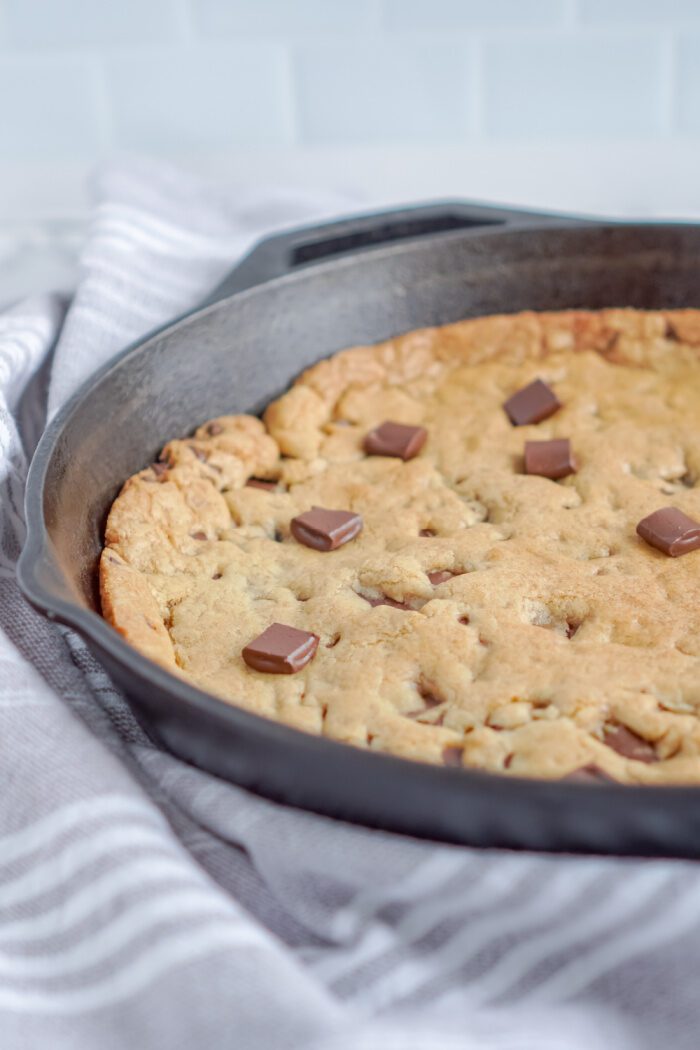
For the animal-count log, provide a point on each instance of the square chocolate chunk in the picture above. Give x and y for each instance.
(670, 531)
(531, 404)
(395, 439)
(281, 650)
(325, 530)
(549, 459)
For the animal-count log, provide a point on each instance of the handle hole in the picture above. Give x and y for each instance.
(385, 233)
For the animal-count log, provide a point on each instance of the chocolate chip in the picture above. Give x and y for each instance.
(199, 535)
(427, 532)
(261, 483)
(428, 694)
(532, 404)
(325, 530)
(385, 600)
(395, 439)
(452, 755)
(199, 453)
(159, 469)
(670, 531)
(217, 576)
(436, 578)
(590, 774)
(214, 428)
(629, 744)
(281, 650)
(550, 459)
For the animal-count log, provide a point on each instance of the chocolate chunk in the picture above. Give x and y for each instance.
(670, 531)
(199, 453)
(428, 693)
(629, 744)
(384, 600)
(590, 774)
(159, 469)
(427, 532)
(325, 530)
(395, 439)
(452, 755)
(532, 404)
(260, 483)
(440, 576)
(550, 459)
(199, 535)
(281, 650)
(215, 428)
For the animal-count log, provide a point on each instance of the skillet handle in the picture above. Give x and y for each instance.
(282, 253)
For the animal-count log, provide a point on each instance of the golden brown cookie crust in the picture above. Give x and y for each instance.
(558, 625)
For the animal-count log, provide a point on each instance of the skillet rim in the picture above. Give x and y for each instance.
(37, 554)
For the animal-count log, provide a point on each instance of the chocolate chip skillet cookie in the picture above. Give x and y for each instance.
(473, 545)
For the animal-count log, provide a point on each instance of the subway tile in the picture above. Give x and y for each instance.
(634, 12)
(688, 84)
(46, 109)
(387, 93)
(564, 85)
(80, 23)
(199, 97)
(441, 15)
(290, 18)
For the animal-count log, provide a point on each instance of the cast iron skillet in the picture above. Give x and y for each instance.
(296, 298)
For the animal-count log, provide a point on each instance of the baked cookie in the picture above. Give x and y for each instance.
(481, 595)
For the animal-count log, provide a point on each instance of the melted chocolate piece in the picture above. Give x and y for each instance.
(590, 774)
(326, 530)
(199, 535)
(395, 439)
(427, 693)
(385, 600)
(260, 483)
(531, 404)
(215, 428)
(159, 469)
(452, 755)
(629, 744)
(440, 576)
(281, 650)
(550, 459)
(670, 531)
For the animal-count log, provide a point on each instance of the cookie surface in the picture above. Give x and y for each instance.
(483, 616)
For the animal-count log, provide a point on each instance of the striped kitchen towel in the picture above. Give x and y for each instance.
(145, 904)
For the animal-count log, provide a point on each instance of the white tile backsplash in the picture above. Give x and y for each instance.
(567, 85)
(171, 77)
(199, 97)
(382, 93)
(637, 12)
(689, 84)
(432, 16)
(89, 23)
(48, 108)
(286, 18)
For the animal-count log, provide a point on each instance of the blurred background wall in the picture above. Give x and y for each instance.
(590, 105)
(514, 99)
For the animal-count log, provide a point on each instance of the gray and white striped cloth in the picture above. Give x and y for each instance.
(145, 904)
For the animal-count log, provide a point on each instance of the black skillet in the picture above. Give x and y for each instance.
(296, 298)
